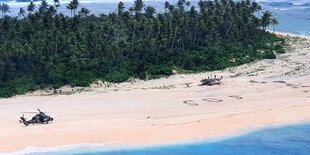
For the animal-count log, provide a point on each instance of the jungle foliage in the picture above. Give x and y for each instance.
(42, 47)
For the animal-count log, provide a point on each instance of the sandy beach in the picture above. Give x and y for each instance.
(255, 95)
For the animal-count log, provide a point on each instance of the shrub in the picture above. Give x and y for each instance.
(117, 76)
(269, 55)
(279, 49)
(160, 70)
(82, 79)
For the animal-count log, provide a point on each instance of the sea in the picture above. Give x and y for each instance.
(293, 17)
(273, 140)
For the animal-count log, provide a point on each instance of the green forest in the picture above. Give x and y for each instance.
(41, 47)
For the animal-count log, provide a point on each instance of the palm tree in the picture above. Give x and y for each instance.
(167, 4)
(266, 19)
(84, 12)
(4, 9)
(180, 4)
(138, 6)
(149, 11)
(51, 10)
(76, 5)
(21, 12)
(43, 6)
(256, 8)
(31, 7)
(73, 5)
(120, 8)
(70, 6)
(188, 4)
(274, 22)
(56, 4)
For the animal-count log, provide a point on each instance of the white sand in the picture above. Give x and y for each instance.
(154, 111)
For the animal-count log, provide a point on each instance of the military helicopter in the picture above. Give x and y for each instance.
(211, 82)
(40, 118)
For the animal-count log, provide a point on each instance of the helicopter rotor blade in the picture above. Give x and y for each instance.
(37, 112)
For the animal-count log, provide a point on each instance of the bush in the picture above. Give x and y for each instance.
(82, 79)
(7, 91)
(117, 76)
(160, 70)
(279, 49)
(269, 55)
(17, 87)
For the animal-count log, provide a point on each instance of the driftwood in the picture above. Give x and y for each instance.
(211, 82)
(188, 84)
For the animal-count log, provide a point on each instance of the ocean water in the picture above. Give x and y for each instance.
(284, 140)
(293, 15)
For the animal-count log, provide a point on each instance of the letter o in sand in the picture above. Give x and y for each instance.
(190, 103)
(212, 100)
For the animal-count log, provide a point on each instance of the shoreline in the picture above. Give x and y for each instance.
(290, 34)
(252, 96)
(102, 147)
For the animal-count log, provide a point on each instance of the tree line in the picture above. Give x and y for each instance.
(42, 47)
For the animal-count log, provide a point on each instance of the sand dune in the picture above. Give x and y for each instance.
(165, 110)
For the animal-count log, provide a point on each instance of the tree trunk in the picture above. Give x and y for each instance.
(228, 30)
(28, 58)
(170, 21)
(195, 33)
(183, 44)
(133, 37)
(174, 36)
(56, 46)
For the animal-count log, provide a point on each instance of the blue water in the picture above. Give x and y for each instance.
(293, 15)
(289, 140)
(285, 140)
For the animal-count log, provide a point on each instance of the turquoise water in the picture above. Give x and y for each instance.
(293, 15)
(286, 140)
(289, 140)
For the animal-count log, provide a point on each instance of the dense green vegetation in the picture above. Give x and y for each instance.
(41, 47)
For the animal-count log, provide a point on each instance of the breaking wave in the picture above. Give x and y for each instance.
(273, 140)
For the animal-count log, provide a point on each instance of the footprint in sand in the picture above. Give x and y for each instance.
(212, 100)
(190, 103)
(236, 97)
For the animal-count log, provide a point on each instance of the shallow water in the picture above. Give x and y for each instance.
(293, 15)
(285, 140)
(289, 140)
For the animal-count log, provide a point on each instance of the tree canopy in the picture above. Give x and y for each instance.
(48, 48)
